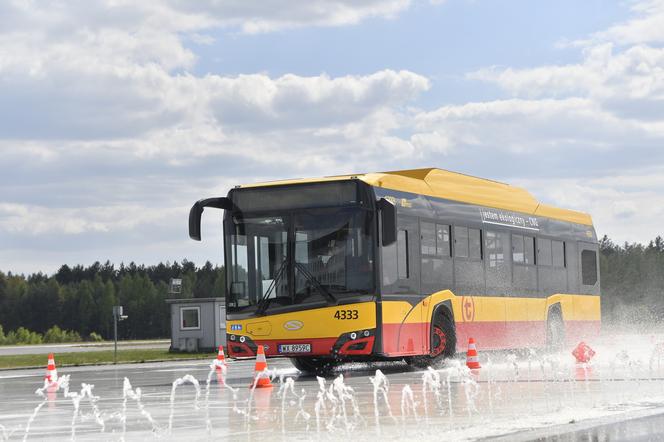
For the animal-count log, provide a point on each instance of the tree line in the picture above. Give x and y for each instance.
(632, 281)
(80, 299)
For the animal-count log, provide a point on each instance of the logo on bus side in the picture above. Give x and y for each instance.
(293, 325)
(468, 308)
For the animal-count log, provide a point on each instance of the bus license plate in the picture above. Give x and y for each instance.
(294, 348)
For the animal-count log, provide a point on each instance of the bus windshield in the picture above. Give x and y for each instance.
(302, 257)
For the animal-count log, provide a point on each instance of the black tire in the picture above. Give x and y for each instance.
(555, 330)
(316, 366)
(443, 343)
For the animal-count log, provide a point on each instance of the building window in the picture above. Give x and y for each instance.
(402, 250)
(558, 250)
(589, 267)
(190, 318)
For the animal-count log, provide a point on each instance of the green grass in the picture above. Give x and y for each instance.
(98, 357)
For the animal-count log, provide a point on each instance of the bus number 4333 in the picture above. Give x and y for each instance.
(346, 314)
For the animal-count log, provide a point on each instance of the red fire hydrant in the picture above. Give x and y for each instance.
(583, 353)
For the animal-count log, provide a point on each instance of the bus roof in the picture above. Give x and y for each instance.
(455, 186)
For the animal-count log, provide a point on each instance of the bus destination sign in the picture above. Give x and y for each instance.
(501, 218)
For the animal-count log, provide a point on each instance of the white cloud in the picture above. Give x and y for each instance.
(102, 113)
(39, 220)
(514, 126)
(628, 206)
(273, 15)
(646, 27)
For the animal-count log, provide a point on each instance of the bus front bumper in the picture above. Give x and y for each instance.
(356, 343)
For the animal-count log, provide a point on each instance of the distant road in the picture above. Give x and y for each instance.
(81, 347)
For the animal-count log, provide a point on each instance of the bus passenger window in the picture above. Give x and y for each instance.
(495, 249)
(558, 249)
(443, 240)
(529, 250)
(475, 244)
(589, 267)
(460, 242)
(428, 237)
(402, 250)
(517, 249)
(543, 252)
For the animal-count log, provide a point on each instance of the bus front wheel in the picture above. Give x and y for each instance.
(443, 343)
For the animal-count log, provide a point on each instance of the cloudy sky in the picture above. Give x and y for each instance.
(116, 115)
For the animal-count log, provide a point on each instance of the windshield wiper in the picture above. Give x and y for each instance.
(311, 278)
(265, 299)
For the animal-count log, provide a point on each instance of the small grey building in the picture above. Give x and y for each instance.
(197, 324)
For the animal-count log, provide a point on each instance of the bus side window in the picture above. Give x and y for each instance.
(461, 242)
(558, 250)
(517, 249)
(443, 240)
(529, 250)
(544, 252)
(475, 244)
(589, 267)
(428, 238)
(402, 251)
(523, 249)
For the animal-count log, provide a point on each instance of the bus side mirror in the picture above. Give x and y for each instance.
(197, 210)
(388, 221)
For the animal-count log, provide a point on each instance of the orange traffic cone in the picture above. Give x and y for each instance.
(51, 371)
(472, 360)
(261, 380)
(221, 359)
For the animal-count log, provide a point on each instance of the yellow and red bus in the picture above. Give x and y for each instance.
(401, 265)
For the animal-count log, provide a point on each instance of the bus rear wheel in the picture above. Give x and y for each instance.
(443, 343)
(317, 366)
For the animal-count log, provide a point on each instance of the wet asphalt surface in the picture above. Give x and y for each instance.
(526, 396)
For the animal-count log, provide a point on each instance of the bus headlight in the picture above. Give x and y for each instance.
(242, 339)
(353, 335)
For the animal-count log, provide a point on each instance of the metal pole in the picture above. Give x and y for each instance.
(115, 336)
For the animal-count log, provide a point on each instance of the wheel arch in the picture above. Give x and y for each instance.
(444, 309)
(554, 308)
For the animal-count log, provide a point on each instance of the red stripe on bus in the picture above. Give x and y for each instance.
(412, 338)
